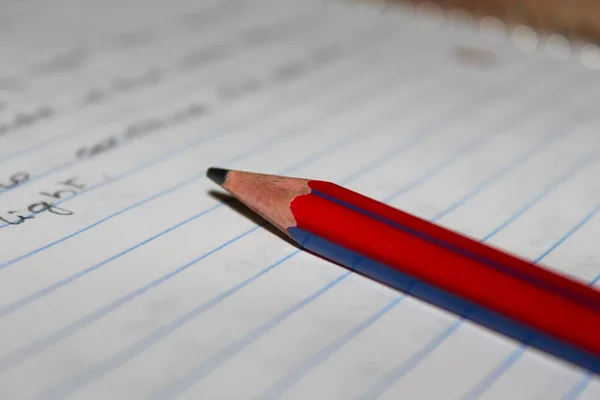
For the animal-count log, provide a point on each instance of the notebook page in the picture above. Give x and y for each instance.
(127, 275)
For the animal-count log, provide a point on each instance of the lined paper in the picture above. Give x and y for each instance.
(124, 272)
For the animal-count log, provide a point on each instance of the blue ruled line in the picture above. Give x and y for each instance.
(181, 90)
(578, 388)
(268, 110)
(575, 229)
(402, 369)
(239, 349)
(14, 358)
(397, 373)
(435, 126)
(376, 124)
(181, 384)
(516, 162)
(35, 178)
(22, 354)
(255, 118)
(91, 374)
(505, 364)
(293, 377)
(591, 158)
(281, 386)
(204, 369)
(48, 341)
(502, 126)
(585, 112)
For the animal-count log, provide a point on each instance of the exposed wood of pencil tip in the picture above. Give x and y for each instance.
(576, 20)
(267, 195)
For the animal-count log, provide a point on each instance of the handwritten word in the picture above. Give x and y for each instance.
(137, 38)
(149, 78)
(233, 90)
(66, 188)
(228, 91)
(14, 180)
(61, 63)
(121, 85)
(280, 74)
(264, 33)
(200, 57)
(200, 18)
(25, 119)
(141, 128)
(196, 58)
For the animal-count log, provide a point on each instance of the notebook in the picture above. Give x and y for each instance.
(126, 274)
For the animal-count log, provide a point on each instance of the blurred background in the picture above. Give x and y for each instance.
(481, 116)
(577, 20)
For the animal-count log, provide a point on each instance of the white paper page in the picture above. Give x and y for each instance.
(124, 274)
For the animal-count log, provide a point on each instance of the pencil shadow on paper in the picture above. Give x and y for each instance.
(243, 210)
(459, 307)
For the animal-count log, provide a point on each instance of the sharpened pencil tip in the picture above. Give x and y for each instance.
(217, 175)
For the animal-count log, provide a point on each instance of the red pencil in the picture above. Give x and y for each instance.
(498, 290)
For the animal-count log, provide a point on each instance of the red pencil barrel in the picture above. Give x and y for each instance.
(475, 247)
(574, 317)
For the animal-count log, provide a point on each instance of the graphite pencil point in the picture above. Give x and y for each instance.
(217, 175)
